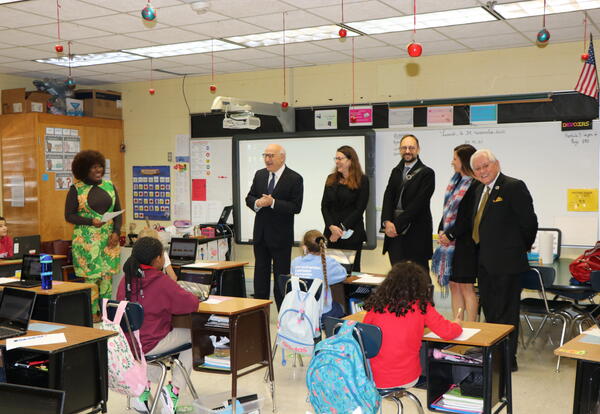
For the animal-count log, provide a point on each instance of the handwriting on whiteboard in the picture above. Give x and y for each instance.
(577, 138)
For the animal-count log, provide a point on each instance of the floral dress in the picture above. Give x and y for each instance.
(92, 258)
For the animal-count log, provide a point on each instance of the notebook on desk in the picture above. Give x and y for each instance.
(16, 308)
(31, 273)
(24, 245)
(183, 251)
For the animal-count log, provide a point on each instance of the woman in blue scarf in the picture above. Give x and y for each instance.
(455, 259)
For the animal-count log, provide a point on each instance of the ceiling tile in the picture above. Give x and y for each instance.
(26, 53)
(442, 47)
(118, 42)
(245, 8)
(428, 6)
(4, 59)
(309, 4)
(346, 44)
(118, 23)
(404, 38)
(18, 19)
(188, 70)
(130, 6)
(76, 48)
(197, 59)
(232, 67)
(364, 10)
(20, 38)
(325, 58)
(244, 54)
(166, 36)
(69, 9)
(28, 65)
(476, 29)
(224, 28)
(568, 34)
(385, 52)
(68, 31)
(275, 62)
(145, 75)
(183, 14)
(294, 49)
(293, 20)
(491, 42)
(553, 21)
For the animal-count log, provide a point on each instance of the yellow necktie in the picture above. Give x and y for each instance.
(479, 213)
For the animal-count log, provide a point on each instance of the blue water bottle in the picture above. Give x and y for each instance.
(46, 271)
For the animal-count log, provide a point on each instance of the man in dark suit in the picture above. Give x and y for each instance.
(406, 214)
(276, 195)
(504, 228)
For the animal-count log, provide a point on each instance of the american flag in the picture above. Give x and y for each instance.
(588, 79)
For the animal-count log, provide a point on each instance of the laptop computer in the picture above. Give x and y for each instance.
(31, 272)
(16, 398)
(16, 308)
(183, 251)
(25, 245)
(225, 215)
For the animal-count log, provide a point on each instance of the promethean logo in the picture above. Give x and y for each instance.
(573, 125)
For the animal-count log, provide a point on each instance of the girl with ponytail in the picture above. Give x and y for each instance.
(161, 298)
(315, 265)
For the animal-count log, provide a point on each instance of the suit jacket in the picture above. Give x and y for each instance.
(341, 205)
(508, 227)
(275, 226)
(417, 243)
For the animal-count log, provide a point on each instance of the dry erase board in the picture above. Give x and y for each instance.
(549, 160)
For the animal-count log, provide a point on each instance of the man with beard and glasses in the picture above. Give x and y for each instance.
(406, 214)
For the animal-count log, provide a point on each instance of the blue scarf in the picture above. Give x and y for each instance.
(442, 257)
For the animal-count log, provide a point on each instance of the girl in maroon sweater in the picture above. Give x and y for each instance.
(161, 297)
(402, 307)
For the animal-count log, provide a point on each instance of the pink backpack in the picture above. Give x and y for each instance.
(126, 375)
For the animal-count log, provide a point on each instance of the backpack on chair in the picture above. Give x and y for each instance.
(299, 319)
(339, 376)
(586, 263)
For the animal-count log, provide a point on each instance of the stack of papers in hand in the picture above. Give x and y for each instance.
(217, 321)
(455, 402)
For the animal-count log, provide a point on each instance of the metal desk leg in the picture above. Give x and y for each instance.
(270, 372)
(233, 327)
(507, 376)
(487, 379)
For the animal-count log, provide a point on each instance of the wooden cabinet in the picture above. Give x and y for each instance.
(23, 161)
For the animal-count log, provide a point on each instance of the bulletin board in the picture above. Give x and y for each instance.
(151, 192)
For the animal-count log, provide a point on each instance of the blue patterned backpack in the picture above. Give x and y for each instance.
(339, 378)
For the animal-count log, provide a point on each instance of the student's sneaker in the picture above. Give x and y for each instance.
(140, 404)
(169, 399)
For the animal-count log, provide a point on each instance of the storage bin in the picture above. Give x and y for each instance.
(207, 404)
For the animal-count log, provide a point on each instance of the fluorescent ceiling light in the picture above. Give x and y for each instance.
(536, 7)
(11, 1)
(424, 21)
(291, 36)
(187, 48)
(92, 59)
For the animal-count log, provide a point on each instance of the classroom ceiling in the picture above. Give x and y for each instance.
(28, 31)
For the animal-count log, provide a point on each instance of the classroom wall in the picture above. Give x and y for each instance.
(151, 122)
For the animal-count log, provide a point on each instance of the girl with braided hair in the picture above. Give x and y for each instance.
(161, 297)
(315, 265)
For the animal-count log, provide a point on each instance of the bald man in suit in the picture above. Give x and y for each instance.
(275, 196)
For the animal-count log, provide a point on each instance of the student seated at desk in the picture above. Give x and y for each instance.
(161, 297)
(402, 307)
(315, 265)
(168, 269)
(6, 242)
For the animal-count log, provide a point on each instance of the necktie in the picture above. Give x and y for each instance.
(405, 173)
(271, 185)
(479, 213)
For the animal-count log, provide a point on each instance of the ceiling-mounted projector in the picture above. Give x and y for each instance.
(241, 121)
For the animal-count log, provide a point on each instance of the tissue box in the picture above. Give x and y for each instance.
(74, 107)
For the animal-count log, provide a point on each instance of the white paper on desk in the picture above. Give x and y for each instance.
(370, 279)
(108, 216)
(200, 265)
(466, 334)
(4, 280)
(12, 343)
(594, 331)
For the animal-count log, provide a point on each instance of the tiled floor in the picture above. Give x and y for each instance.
(537, 388)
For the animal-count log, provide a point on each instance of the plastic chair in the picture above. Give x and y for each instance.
(369, 337)
(133, 320)
(589, 313)
(539, 278)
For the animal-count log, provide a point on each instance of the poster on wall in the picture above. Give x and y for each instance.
(62, 181)
(151, 192)
(60, 146)
(326, 119)
(360, 115)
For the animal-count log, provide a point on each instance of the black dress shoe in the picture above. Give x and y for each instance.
(515, 366)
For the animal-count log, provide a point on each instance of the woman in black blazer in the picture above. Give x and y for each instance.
(344, 202)
(455, 260)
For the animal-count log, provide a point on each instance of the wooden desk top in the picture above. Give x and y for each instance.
(75, 335)
(232, 306)
(220, 265)
(18, 261)
(489, 333)
(58, 287)
(579, 350)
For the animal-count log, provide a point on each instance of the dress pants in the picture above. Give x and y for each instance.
(500, 296)
(264, 255)
(396, 254)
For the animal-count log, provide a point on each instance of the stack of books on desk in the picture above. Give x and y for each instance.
(453, 401)
(219, 360)
(216, 321)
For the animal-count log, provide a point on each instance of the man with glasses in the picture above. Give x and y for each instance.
(406, 214)
(504, 228)
(275, 196)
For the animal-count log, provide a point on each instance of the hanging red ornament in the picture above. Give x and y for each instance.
(414, 49)
(151, 91)
(59, 48)
(284, 104)
(343, 33)
(585, 56)
(213, 88)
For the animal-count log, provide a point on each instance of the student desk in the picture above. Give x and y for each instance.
(441, 374)
(66, 302)
(228, 275)
(587, 378)
(248, 332)
(78, 366)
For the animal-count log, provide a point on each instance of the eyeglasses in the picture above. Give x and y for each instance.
(411, 148)
(482, 167)
(340, 158)
(270, 156)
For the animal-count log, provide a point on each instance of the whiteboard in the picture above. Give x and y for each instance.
(313, 158)
(548, 160)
